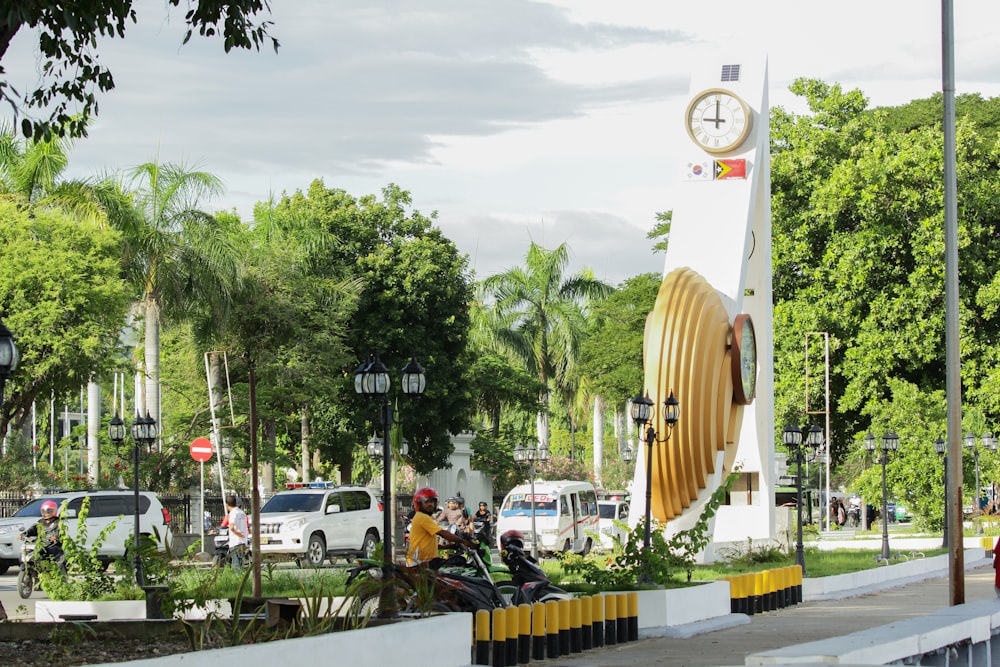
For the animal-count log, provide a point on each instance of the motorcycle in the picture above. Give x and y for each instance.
(529, 583)
(27, 576)
(461, 582)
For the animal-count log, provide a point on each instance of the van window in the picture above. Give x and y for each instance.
(589, 503)
(519, 504)
(109, 506)
(563, 506)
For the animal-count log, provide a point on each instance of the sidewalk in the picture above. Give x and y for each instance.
(805, 622)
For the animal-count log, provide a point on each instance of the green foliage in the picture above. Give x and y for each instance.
(748, 555)
(72, 74)
(660, 561)
(62, 296)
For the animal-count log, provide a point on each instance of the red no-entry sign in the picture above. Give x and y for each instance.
(201, 449)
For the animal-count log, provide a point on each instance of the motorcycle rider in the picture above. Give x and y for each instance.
(47, 532)
(452, 518)
(424, 531)
(485, 517)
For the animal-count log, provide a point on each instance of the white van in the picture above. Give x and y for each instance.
(566, 515)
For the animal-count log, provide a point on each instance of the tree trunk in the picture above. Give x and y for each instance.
(93, 433)
(542, 422)
(270, 437)
(151, 338)
(598, 438)
(304, 435)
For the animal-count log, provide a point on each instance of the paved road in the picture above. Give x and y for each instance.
(805, 622)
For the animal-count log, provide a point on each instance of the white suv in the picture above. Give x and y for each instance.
(319, 520)
(106, 506)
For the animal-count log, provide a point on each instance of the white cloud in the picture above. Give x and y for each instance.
(514, 120)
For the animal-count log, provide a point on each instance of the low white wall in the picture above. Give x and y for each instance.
(50, 611)
(898, 642)
(680, 606)
(899, 574)
(402, 643)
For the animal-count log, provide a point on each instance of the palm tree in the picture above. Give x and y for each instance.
(542, 315)
(175, 254)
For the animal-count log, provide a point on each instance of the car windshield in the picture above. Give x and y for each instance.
(607, 511)
(520, 505)
(293, 502)
(33, 508)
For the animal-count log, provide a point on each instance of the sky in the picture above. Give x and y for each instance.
(516, 121)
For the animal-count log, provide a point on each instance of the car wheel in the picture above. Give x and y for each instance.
(588, 545)
(567, 547)
(368, 546)
(316, 551)
(4, 568)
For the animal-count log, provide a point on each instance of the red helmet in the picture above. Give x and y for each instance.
(426, 493)
(512, 538)
(48, 506)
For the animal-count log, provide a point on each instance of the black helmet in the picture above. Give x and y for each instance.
(512, 539)
(460, 500)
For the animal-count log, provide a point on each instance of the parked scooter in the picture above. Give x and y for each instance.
(220, 541)
(529, 583)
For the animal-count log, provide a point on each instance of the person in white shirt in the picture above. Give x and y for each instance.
(239, 533)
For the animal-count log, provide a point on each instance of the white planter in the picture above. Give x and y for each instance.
(680, 606)
(108, 610)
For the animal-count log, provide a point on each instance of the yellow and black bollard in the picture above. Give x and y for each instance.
(525, 629)
(610, 619)
(597, 619)
(538, 631)
(757, 593)
(766, 601)
(621, 608)
(564, 620)
(576, 625)
(552, 629)
(633, 616)
(499, 638)
(482, 649)
(797, 578)
(513, 633)
(586, 623)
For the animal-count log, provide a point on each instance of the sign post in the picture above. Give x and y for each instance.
(201, 451)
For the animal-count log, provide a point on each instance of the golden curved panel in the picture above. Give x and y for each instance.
(686, 351)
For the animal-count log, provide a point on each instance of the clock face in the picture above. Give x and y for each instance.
(718, 121)
(744, 359)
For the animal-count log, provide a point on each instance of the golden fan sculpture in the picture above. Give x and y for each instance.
(687, 349)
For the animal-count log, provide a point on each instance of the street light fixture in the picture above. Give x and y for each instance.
(531, 455)
(642, 415)
(941, 447)
(890, 443)
(989, 442)
(793, 441)
(143, 433)
(9, 357)
(371, 380)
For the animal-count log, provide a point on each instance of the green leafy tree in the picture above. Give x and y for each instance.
(541, 315)
(62, 294)
(71, 72)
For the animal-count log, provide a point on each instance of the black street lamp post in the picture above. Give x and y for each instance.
(989, 442)
(793, 441)
(9, 357)
(143, 433)
(890, 443)
(941, 447)
(371, 380)
(642, 415)
(530, 455)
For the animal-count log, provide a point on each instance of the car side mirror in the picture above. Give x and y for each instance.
(333, 509)
(70, 514)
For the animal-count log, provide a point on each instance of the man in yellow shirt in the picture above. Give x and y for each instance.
(424, 531)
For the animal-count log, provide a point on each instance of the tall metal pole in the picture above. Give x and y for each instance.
(944, 542)
(534, 531)
(385, 417)
(953, 364)
(800, 554)
(885, 508)
(978, 504)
